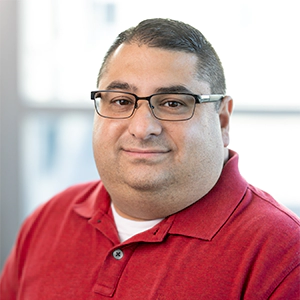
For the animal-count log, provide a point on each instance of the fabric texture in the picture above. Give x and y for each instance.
(236, 242)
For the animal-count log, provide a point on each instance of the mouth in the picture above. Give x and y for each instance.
(139, 153)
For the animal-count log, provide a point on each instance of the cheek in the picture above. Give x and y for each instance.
(203, 142)
(104, 134)
(97, 134)
(189, 142)
(104, 145)
(106, 130)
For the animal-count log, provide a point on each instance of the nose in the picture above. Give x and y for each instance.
(143, 124)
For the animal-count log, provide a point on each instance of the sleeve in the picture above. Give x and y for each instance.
(289, 288)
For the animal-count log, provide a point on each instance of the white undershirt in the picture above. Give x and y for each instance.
(128, 228)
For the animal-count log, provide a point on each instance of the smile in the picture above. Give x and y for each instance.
(145, 153)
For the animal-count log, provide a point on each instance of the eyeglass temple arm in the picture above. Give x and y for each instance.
(210, 98)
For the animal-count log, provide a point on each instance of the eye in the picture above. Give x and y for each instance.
(122, 101)
(172, 103)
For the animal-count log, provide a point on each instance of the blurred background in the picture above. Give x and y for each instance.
(50, 54)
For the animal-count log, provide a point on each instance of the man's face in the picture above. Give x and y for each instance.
(154, 168)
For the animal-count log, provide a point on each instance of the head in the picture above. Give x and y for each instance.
(175, 36)
(153, 168)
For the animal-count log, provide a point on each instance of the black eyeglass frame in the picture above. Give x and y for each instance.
(198, 100)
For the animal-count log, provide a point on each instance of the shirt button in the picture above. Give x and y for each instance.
(118, 254)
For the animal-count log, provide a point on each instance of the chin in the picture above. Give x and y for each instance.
(146, 185)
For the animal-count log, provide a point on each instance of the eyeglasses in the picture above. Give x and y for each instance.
(164, 106)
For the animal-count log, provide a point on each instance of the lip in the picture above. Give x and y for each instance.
(144, 153)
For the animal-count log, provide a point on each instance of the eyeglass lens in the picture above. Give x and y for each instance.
(121, 105)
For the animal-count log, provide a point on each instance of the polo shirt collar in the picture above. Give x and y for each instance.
(98, 200)
(202, 219)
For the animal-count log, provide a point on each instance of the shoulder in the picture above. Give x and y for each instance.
(268, 227)
(265, 208)
(266, 236)
(264, 227)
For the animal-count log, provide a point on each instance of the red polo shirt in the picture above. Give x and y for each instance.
(234, 243)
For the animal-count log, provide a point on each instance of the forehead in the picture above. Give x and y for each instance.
(147, 68)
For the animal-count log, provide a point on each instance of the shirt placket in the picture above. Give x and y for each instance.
(119, 255)
(112, 269)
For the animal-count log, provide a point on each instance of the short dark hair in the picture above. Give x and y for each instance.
(176, 36)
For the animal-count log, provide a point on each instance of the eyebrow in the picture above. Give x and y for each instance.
(119, 85)
(173, 89)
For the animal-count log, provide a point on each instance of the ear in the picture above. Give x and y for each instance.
(225, 112)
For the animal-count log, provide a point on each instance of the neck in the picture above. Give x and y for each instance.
(150, 205)
(226, 155)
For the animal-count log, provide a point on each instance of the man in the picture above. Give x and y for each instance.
(171, 218)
